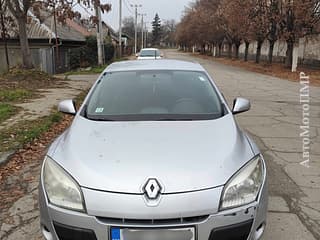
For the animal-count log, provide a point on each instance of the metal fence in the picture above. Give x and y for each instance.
(42, 59)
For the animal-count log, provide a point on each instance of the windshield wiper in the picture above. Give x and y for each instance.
(174, 119)
(100, 119)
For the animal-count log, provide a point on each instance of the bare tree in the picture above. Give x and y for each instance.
(128, 26)
(20, 9)
(299, 18)
(273, 17)
(168, 30)
(186, 32)
(236, 24)
(260, 24)
(200, 25)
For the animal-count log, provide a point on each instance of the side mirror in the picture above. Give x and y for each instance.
(68, 107)
(240, 105)
(137, 55)
(161, 55)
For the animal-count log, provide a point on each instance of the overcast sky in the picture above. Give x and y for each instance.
(167, 9)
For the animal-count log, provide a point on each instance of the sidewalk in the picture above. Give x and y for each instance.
(19, 215)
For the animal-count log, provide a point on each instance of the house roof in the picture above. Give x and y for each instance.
(84, 31)
(45, 29)
(67, 32)
(107, 29)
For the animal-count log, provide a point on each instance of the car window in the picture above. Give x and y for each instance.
(154, 95)
(149, 53)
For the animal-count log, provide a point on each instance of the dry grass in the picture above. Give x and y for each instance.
(28, 80)
(19, 85)
(275, 70)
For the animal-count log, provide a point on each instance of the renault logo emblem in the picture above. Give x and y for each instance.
(152, 189)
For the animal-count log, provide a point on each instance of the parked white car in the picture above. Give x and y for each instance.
(149, 54)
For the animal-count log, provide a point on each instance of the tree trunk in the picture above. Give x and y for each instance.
(289, 54)
(270, 54)
(214, 50)
(229, 50)
(24, 44)
(219, 49)
(6, 53)
(258, 55)
(246, 52)
(237, 50)
(4, 38)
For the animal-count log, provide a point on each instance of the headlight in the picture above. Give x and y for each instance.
(244, 186)
(61, 189)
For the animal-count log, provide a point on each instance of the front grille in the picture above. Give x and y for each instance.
(72, 233)
(169, 221)
(239, 231)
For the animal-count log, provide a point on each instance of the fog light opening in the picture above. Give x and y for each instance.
(46, 233)
(259, 231)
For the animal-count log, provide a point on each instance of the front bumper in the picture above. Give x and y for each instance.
(107, 210)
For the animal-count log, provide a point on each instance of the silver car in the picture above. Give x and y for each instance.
(154, 153)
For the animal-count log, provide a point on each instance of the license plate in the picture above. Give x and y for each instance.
(152, 234)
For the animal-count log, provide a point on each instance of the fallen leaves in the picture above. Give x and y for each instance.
(23, 166)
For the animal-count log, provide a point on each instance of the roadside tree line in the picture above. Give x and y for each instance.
(218, 22)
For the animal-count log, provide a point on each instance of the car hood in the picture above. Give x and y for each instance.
(182, 155)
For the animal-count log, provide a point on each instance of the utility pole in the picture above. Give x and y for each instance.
(146, 35)
(136, 25)
(57, 53)
(142, 29)
(120, 28)
(99, 35)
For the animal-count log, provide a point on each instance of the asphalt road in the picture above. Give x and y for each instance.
(274, 122)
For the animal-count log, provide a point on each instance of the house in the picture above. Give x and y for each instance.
(107, 30)
(49, 42)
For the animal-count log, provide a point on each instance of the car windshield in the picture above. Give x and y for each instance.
(150, 53)
(153, 96)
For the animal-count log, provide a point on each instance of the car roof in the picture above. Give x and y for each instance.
(154, 49)
(160, 64)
